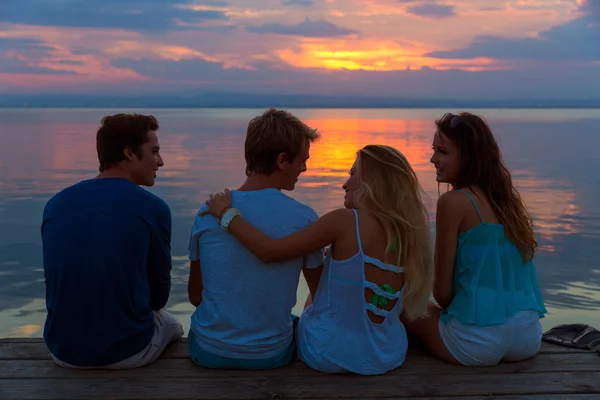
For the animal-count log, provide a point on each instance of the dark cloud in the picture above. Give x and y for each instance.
(30, 49)
(82, 51)
(13, 66)
(23, 44)
(304, 3)
(139, 15)
(207, 73)
(307, 28)
(433, 10)
(70, 62)
(492, 8)
(577, 40)
(183, 70)
(551, 81)
(591, 9)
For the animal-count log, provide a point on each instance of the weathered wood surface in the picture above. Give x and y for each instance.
(27, 372)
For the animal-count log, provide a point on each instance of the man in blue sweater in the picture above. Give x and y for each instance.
(107, 256)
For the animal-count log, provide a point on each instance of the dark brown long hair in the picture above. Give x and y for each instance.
(481, 165)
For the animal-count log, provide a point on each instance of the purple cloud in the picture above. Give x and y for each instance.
(137, 15)
(304, 3)
(307, 28)
(577, 40)
(433, 10)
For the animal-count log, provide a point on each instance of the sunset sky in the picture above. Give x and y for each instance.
(401, 48)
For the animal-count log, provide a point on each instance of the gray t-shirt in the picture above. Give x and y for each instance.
(246, 304)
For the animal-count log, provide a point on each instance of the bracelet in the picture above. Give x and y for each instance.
(229, 215)
(223, 212)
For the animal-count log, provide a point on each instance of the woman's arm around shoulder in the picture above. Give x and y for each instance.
(322, 232)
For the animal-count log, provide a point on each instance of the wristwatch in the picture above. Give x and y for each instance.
(228, 216)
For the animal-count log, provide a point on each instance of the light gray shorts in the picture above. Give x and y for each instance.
(519, 338)
(167, 329)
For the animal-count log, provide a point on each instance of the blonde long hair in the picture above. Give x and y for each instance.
(389, 189)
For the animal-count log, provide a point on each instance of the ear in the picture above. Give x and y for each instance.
(128, 153)
(281, 161)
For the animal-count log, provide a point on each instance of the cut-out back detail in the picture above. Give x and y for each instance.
(341, 317)
(379, 264)
(378, 291)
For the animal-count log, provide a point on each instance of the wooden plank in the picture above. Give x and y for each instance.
(22, 340)
(314, 387)
(509, 397)
(184, 368)
(39, 351)
(36, 350)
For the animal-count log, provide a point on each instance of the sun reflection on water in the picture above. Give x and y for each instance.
(47, 150)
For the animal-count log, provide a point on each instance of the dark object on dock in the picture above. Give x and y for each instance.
(580, 336)
(27, 372)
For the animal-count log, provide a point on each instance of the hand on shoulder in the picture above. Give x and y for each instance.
(217, 203)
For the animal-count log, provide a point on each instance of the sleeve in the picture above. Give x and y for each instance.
(159, 260)
(198, 228)
(317, 258)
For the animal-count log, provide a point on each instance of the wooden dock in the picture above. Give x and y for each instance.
(27, 372)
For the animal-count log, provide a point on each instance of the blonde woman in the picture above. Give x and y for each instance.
(380, 264)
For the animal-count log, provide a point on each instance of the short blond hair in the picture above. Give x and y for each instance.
(272, 133)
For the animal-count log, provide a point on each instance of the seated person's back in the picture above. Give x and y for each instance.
(246, 304)
(107, 256)
(243, 306)
(97, 235)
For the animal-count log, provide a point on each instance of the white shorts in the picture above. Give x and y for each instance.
(519, 338)
(167, 329)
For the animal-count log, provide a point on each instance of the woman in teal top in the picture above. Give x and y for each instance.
(486, 288)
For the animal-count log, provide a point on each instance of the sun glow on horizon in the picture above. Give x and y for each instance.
(372, 55)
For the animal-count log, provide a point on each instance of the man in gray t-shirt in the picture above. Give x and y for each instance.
(243, 306)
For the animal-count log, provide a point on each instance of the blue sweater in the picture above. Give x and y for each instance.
(107, 265)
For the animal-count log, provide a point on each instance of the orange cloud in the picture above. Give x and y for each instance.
(232, 11)
(373, 55)
(391, 39)
(139, 49)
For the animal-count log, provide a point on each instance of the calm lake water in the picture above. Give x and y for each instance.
(553, 155)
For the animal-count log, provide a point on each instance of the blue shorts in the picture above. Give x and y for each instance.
(208, 360)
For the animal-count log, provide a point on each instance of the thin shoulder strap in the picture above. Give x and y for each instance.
(474, 205)
(357, 232)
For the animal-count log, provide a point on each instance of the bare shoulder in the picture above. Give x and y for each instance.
(453, 202)
(340, 215)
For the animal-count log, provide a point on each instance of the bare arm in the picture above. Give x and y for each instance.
(312, 276)
(317, 235)
(448, 220)
(195, 283)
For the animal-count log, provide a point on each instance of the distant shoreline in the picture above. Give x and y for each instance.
(249, 100)
(259, 106)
